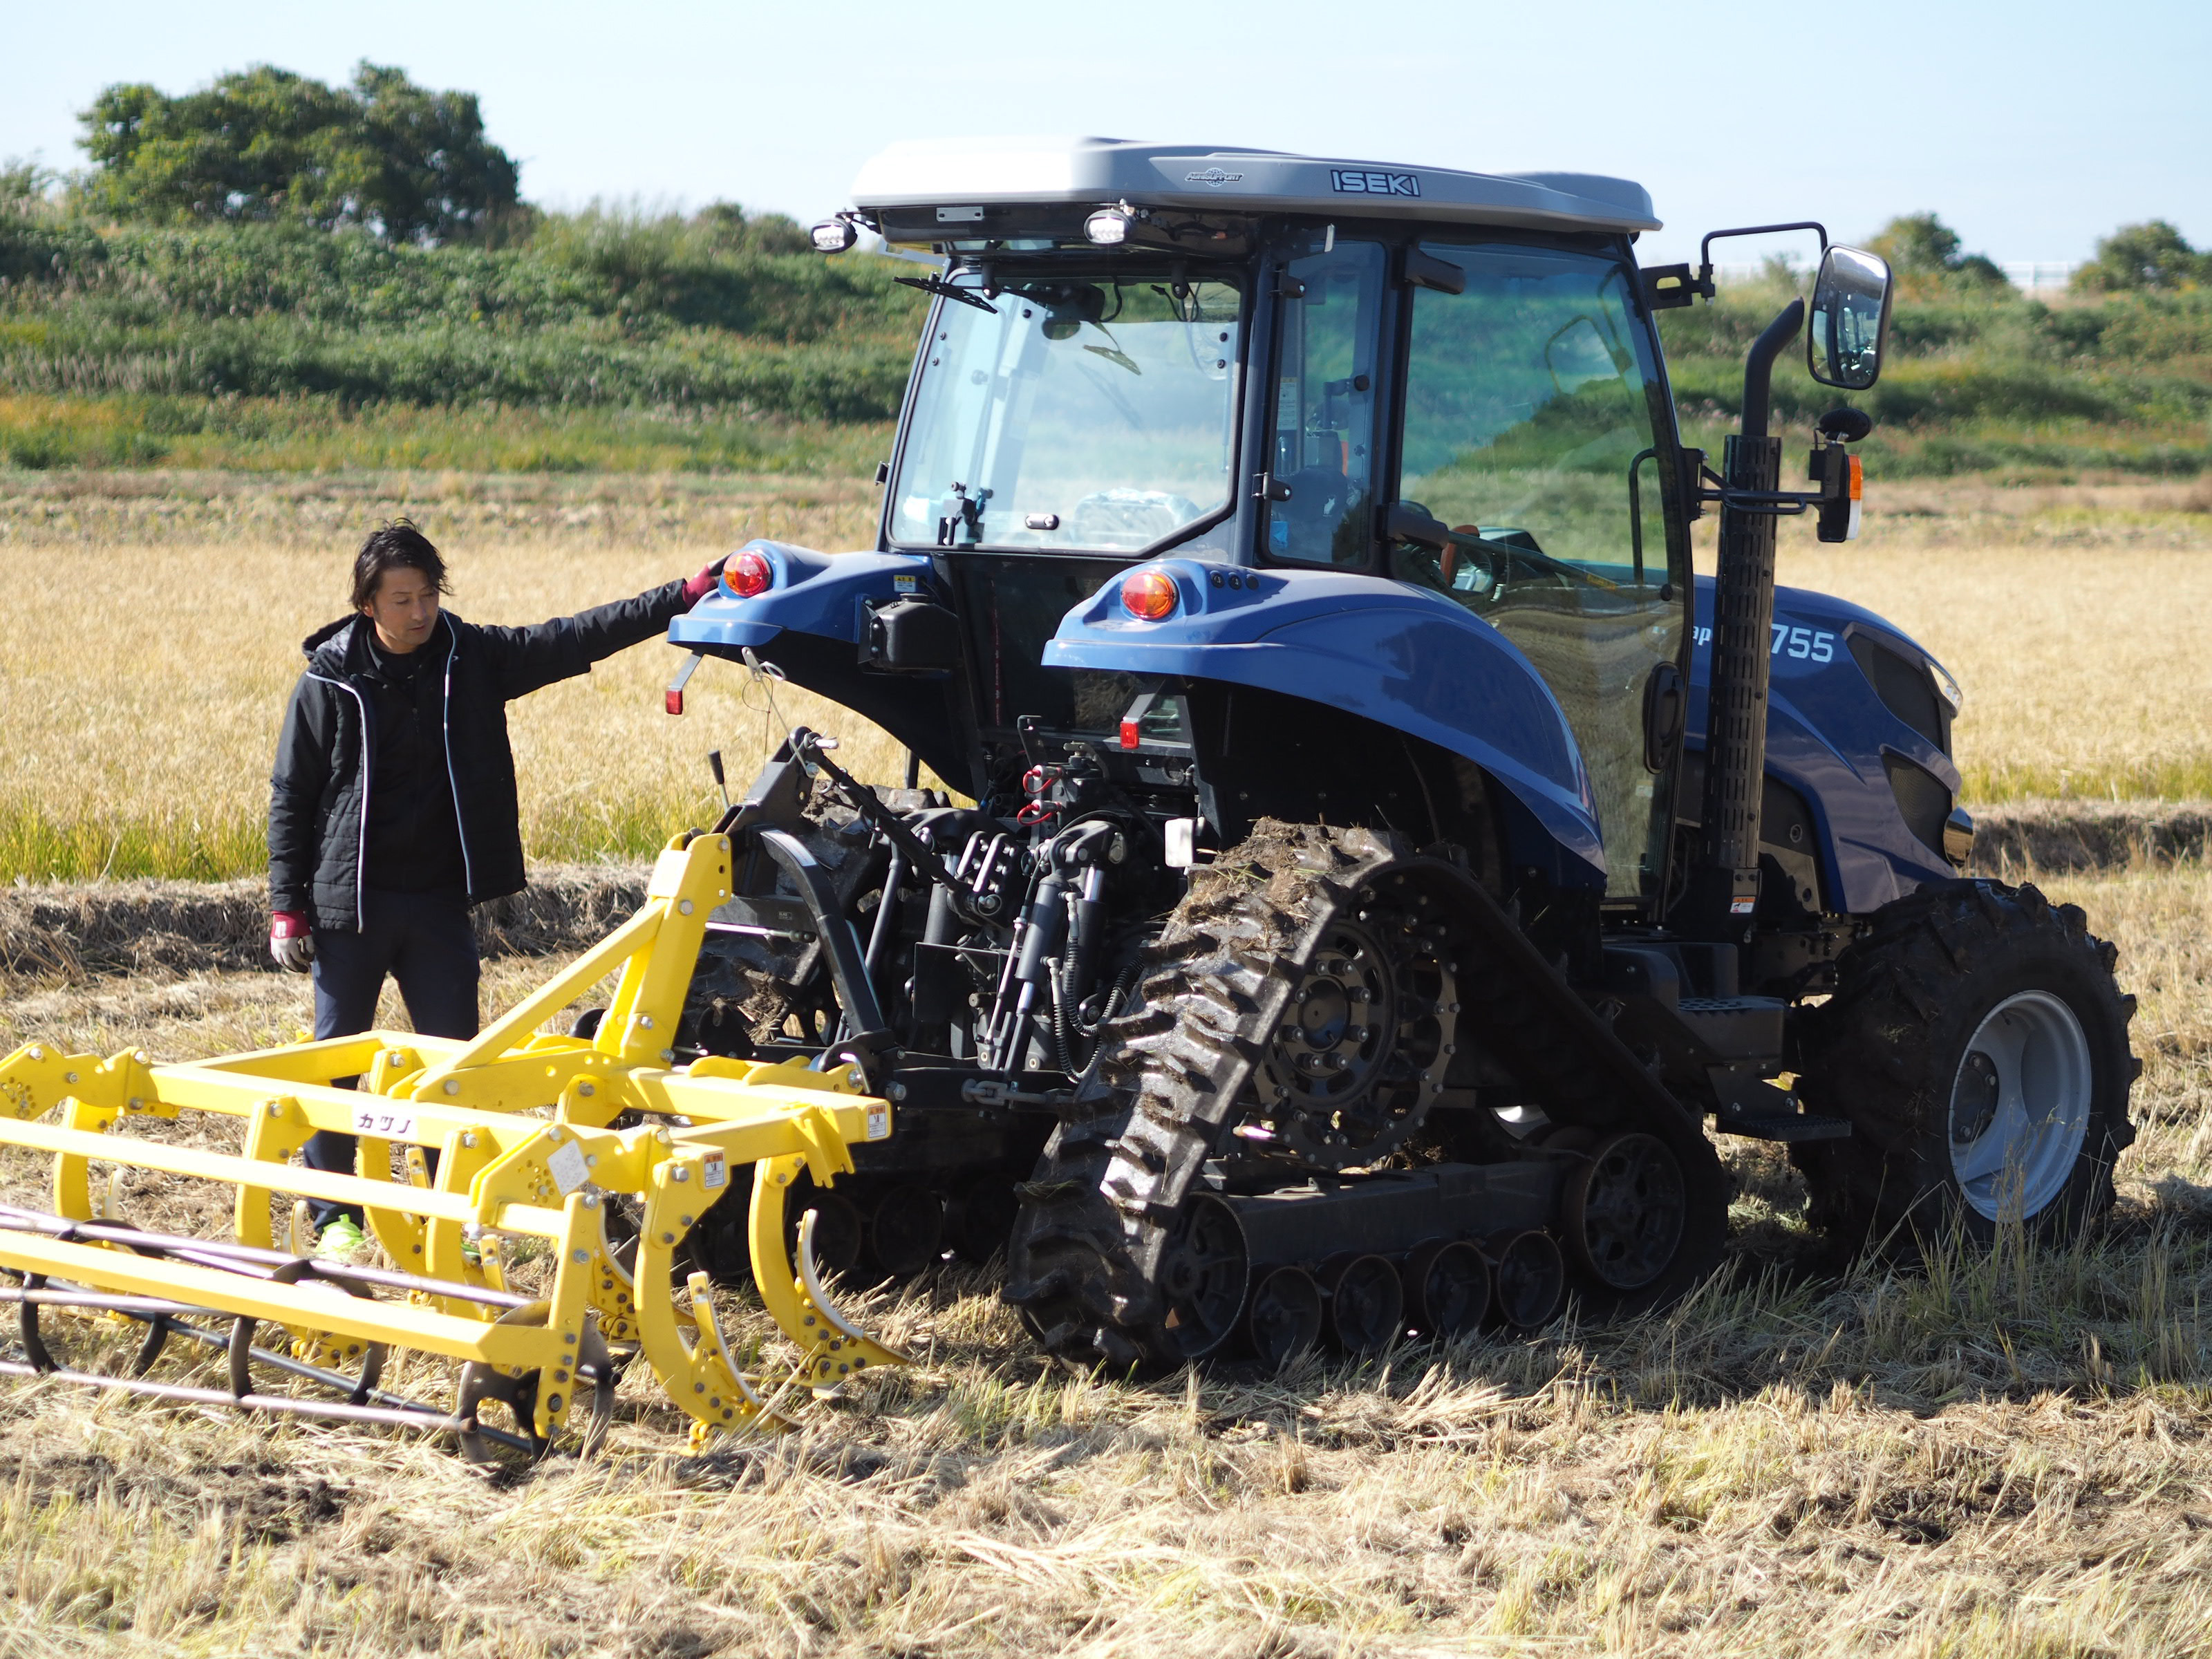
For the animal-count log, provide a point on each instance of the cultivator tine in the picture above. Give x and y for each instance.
(835, 1348)
(518, 1121)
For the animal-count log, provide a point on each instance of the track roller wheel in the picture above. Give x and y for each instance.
(1285, 1318)
(1531, 1276)
(1203, 1276)
(982, 1216)
(841, 1231)
(1625, 1211)
(1447, 1288)
(1366, 1304)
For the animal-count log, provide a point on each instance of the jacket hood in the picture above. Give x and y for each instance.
(337, 632)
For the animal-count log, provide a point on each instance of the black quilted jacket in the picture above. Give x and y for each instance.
(318, 806)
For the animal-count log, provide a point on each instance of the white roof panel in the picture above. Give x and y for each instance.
(1044, 172)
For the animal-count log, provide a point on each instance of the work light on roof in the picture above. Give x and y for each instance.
(834, 235)
(1108, 227)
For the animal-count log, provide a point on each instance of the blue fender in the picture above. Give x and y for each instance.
(822, 593)
(1404, 659)
(1826, 730)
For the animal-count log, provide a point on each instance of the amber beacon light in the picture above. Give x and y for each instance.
(1149, 595)
(747, 575)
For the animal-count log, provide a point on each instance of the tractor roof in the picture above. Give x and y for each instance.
(971, 173)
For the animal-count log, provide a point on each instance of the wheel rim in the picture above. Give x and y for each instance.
(1625, 1212)
(1203, 1276)
(2020, 1105)
(1363, 1045)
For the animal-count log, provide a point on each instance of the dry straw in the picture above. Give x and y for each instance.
(1999, 1453)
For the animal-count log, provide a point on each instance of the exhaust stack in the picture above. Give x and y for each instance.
(1723, 888)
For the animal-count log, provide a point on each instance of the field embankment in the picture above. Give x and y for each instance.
(587, 312)
(73, 933)
(719, 343)
(2014, 389)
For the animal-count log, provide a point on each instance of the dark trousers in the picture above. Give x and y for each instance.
(424, 941)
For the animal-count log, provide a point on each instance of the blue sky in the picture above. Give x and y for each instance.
(2032, 128)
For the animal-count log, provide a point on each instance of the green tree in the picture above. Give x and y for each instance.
(24, 186)
(1924, 252)
(408, 163)
(2152, 255)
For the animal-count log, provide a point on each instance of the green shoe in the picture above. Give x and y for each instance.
(343, 1240)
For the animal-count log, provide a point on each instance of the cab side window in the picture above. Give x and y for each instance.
(1531, 413)
(1322, 453)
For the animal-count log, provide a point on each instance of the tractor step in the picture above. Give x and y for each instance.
(1788, 1128)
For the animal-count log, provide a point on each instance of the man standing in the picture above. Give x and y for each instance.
(393, 807)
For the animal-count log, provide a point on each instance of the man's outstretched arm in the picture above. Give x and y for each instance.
(528, 658)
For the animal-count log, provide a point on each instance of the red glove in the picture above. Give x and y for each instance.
(291, 941)
(698, 586)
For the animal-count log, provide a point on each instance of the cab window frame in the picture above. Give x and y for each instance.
(1385, 339)
(1651, 361)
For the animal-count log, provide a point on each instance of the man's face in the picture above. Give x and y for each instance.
(403, 608)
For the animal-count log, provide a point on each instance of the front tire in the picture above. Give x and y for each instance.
(1978, 1044)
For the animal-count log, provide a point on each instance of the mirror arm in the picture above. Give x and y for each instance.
(1705, 247)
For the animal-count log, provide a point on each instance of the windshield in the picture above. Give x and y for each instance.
(1072, 413)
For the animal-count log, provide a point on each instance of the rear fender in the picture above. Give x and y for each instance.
(823, 593)
(809, 623)
(1408, 661)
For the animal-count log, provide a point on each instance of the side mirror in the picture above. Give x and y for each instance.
(1851, 319)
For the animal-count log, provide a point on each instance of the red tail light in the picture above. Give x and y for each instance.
(1149, 595)
(747, 575)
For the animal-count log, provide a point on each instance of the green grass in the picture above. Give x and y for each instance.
(221, 845)
(311, 434)
(591, 310)
(2007, 385)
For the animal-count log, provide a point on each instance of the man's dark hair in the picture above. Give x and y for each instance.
(395, 544)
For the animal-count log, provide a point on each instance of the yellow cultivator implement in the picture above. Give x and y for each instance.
(514, 1152)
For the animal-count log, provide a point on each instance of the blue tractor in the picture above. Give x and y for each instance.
(1388, 863)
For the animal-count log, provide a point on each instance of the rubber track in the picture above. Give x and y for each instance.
(1100, 1213)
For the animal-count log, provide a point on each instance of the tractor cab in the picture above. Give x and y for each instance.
(1446, 381)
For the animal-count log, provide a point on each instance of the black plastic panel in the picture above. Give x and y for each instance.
(1906, 689)
(1922, 796)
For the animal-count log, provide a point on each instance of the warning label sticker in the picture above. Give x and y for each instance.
(567, 1167)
